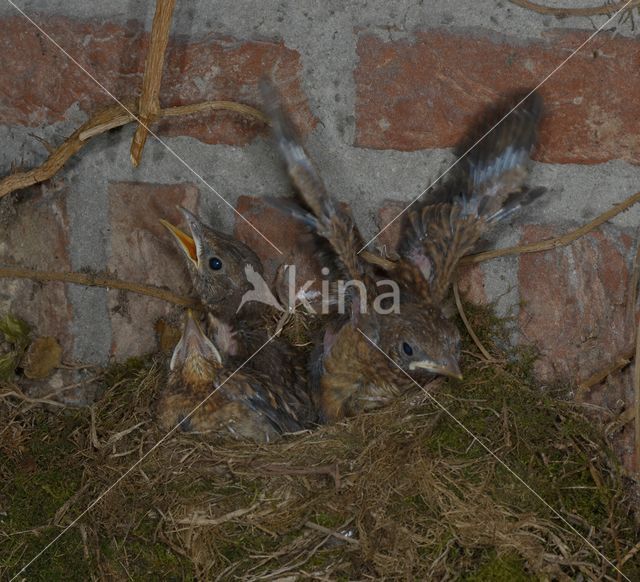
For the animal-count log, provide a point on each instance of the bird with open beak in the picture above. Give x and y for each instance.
(218, 265)
(204, 396)
(365, 359)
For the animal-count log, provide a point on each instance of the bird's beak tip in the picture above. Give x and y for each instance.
(195, 339)
(451, 370)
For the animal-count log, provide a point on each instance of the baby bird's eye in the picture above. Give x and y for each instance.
(407, 349)
(215, 263)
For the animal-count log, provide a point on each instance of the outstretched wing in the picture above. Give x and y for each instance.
(488, 185)
(324, 215)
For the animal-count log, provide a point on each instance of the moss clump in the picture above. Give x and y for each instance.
(14, 340)
(505, 568)
(402, 493)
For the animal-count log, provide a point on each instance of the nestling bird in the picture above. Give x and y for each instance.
(487, 186)
(364, 361)
(219, 265)
(239, 403)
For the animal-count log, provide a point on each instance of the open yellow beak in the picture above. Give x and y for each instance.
(187, 244)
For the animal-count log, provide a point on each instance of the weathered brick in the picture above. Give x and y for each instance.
(206, 69)
(573, 303)
(427, 91)
(616, 394)
(35, 235)
(287, 234)
(143, 251)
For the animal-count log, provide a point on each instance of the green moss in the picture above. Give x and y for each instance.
(41, 481)
(15, 333)
(328, 520)
(148, 560)
(505, 568)
(64, 560)
(538, 436)
(53, 476)
(125, 371)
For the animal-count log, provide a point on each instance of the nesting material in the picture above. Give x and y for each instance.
(403, 492)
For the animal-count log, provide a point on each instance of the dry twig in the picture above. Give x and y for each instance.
(196, 520)
(150, 98)
(636, 394)
(629, 555)
(111, 117)
(586, 11)
(534, 247)
(601, 375)
(95, 280)
(103, 121)
(561, 241)
(463, 316)
(332, 533)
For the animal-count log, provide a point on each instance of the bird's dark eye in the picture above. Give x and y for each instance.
(407, 349)
(215, 263)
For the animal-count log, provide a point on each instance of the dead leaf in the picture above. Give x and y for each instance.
(43, 356)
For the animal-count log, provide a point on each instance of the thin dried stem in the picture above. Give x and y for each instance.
(632, 298)
(59, 157)
(630, 554)
(332, 533)
(553, 243)
(100, 123)
(246, 110)
(97, 280)
(601, 375)
(586, 11)
(24, 398)
(463, 316)
(150, 98)
(636, 395)
(535, 247)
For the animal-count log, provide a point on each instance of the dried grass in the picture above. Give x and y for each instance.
(400, 494)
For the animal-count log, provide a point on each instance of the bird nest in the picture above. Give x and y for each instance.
(402, 493)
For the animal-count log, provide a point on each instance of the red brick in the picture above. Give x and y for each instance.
(470, 277)
(39, 83)
(143, 251)
(573, 303)
(289, 235)
(36, 236)
(471, 284)
(426, 92)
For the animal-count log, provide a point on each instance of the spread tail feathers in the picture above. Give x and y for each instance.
(493, 173)
(487, 185)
